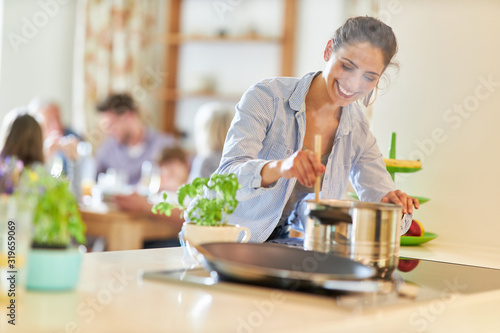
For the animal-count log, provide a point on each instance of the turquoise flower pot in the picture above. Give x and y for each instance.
(53, 269)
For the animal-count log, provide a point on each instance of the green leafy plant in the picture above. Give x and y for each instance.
(56, 218)
(214, 199)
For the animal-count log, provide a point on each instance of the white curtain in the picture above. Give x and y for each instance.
(115, 51)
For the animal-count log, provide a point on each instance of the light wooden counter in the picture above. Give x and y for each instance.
(112, 297)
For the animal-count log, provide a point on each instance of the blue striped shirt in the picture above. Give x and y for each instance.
(270, 124)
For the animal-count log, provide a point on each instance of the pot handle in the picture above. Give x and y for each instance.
(330, 216)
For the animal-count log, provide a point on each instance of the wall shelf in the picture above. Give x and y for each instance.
(174, 38)
(175, 95)
(180, 38)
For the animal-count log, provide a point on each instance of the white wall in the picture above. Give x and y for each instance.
(448, 49)
(316, 23)
(41, 64)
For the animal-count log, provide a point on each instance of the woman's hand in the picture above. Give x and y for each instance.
(303, 165)
(400, 198)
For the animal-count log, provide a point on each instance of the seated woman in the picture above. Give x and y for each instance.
(6, 124)
(24, 140)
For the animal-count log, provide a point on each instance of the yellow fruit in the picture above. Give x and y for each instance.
(391, 162)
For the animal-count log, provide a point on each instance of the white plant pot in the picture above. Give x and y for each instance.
(192, 235)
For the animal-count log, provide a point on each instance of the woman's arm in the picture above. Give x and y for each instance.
(248, 143)
(245, 141)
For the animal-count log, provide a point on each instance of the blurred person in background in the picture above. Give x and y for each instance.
(58, 139)
(211, 124)
(24, 140)
(7, 121)
(60, 143)
(174, 171)
(130, 141)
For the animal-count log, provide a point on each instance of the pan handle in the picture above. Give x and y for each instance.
(330, 215)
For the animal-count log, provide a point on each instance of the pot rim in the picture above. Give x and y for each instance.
(354, 204)
(193, 224)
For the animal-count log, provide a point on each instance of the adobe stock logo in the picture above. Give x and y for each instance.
(31, 27)
(221, 7)
(455, 116)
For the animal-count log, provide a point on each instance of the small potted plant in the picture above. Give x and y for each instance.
(212, 201)
(55, 258)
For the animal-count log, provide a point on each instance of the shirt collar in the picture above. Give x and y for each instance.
(299, 94)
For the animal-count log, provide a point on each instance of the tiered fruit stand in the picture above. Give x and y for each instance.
(394, 166)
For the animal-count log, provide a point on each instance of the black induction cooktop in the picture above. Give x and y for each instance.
(427, 280)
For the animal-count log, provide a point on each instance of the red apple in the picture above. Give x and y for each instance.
(407, 265)
(416, 229)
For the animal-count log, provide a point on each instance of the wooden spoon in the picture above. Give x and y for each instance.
(317, 150)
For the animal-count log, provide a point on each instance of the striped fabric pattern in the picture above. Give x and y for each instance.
(270, 124)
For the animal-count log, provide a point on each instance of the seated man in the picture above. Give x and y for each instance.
(130, 142)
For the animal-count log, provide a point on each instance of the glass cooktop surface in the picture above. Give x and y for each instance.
(414, 280)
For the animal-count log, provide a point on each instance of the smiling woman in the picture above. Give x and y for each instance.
(271, 140)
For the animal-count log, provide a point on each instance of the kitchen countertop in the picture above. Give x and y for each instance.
(454, 253)
(113, 297)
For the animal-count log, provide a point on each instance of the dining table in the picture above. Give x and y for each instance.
(123, 230)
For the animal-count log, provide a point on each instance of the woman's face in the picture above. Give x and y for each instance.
(352, 71)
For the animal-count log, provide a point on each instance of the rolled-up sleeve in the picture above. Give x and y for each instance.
(243, 147)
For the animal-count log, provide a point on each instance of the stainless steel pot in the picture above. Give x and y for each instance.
(368, 233)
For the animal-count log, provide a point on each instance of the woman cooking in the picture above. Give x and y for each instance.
(270, 144)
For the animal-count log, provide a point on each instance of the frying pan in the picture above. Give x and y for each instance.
(280, 266)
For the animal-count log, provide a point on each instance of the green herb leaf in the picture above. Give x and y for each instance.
(212, 199)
